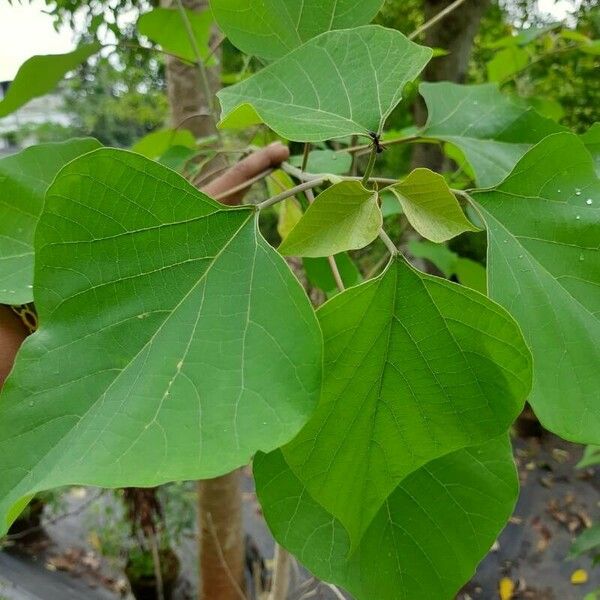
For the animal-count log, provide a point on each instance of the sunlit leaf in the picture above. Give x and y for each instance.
(40, 75)
(272, 28)
(289, 212)
(165, 27)
(339, 83)
(507, 63)
(543, 226)
(424, 542)
(430, 206)
(345, 216)
(24, 178)
(492, 132)
(415, 367)
(143, 370)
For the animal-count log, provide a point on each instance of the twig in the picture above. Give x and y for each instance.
(441, 15)
(339, 282)
(335, 590)
(160, 590)
(307, 185)
(281, 574)
(243, 186)
(370, 165)
(213, 533)
(385, 238)
(302, 176)
(361, 147)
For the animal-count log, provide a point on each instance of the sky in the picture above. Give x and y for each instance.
(25, 30)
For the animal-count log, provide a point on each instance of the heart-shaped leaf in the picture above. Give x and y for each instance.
(165, 27)
(339, 83)
(40, 74)
(430, 206)
(272, 28)
(492, 132)
(345, 216)
(174, 341)
(424, 542)
(24, 178)
(415, 367)
(543, 226)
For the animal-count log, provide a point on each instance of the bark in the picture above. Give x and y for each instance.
(455, 33)
(221, 540)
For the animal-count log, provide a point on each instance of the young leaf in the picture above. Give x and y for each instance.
(430, 206)
(271, 28)
(339, 83)
(587, 541)
(491, 131)
(165, 27)
(289, 212)
(40, 75)
(155, 144)
(415, 367)
(345, 216)
(543, 226)
(174, 341)
(24, 178)
(424, 542)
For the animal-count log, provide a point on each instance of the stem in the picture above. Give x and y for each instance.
(281, 575)
(400, 140)
(339, 282)
(305, 156)
(199, 64)
(307, 185)
(244, 185)
(160, 590)
(441, 15)
(385, 238)
(370, 165)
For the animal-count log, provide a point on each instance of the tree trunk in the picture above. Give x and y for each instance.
(221, 538)
(455, 33)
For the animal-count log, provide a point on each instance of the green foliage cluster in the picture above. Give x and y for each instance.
(176, 343)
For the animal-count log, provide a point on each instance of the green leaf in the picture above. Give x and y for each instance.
(543, 226)
(176, 157)
(345, 216)
(144, 370)
(272, 28)
(591, 139)
(492, 132)
(325, 161)
(438, 254)
(424, 542)
(471, 274)
(590, 458)
(165, 27)
(40, 75)
(24, 178)
(506, 63)
(319, 273)
(415, 367)
(588, 541)
(155, 144)
(337, 84)
(289, 212)
(430, 207)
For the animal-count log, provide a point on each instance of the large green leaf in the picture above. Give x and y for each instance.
(430, 206)
(339, 83)
(24, 178)
(272, 28)
(174, 341)
(40, 75)
(415, 367)
(424, 542)
(543, 226)
(345, 216)
(165, 27)
(489, 129)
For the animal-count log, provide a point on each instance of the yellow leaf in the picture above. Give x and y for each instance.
(290, 212)
(507, 588)
(578, 577)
